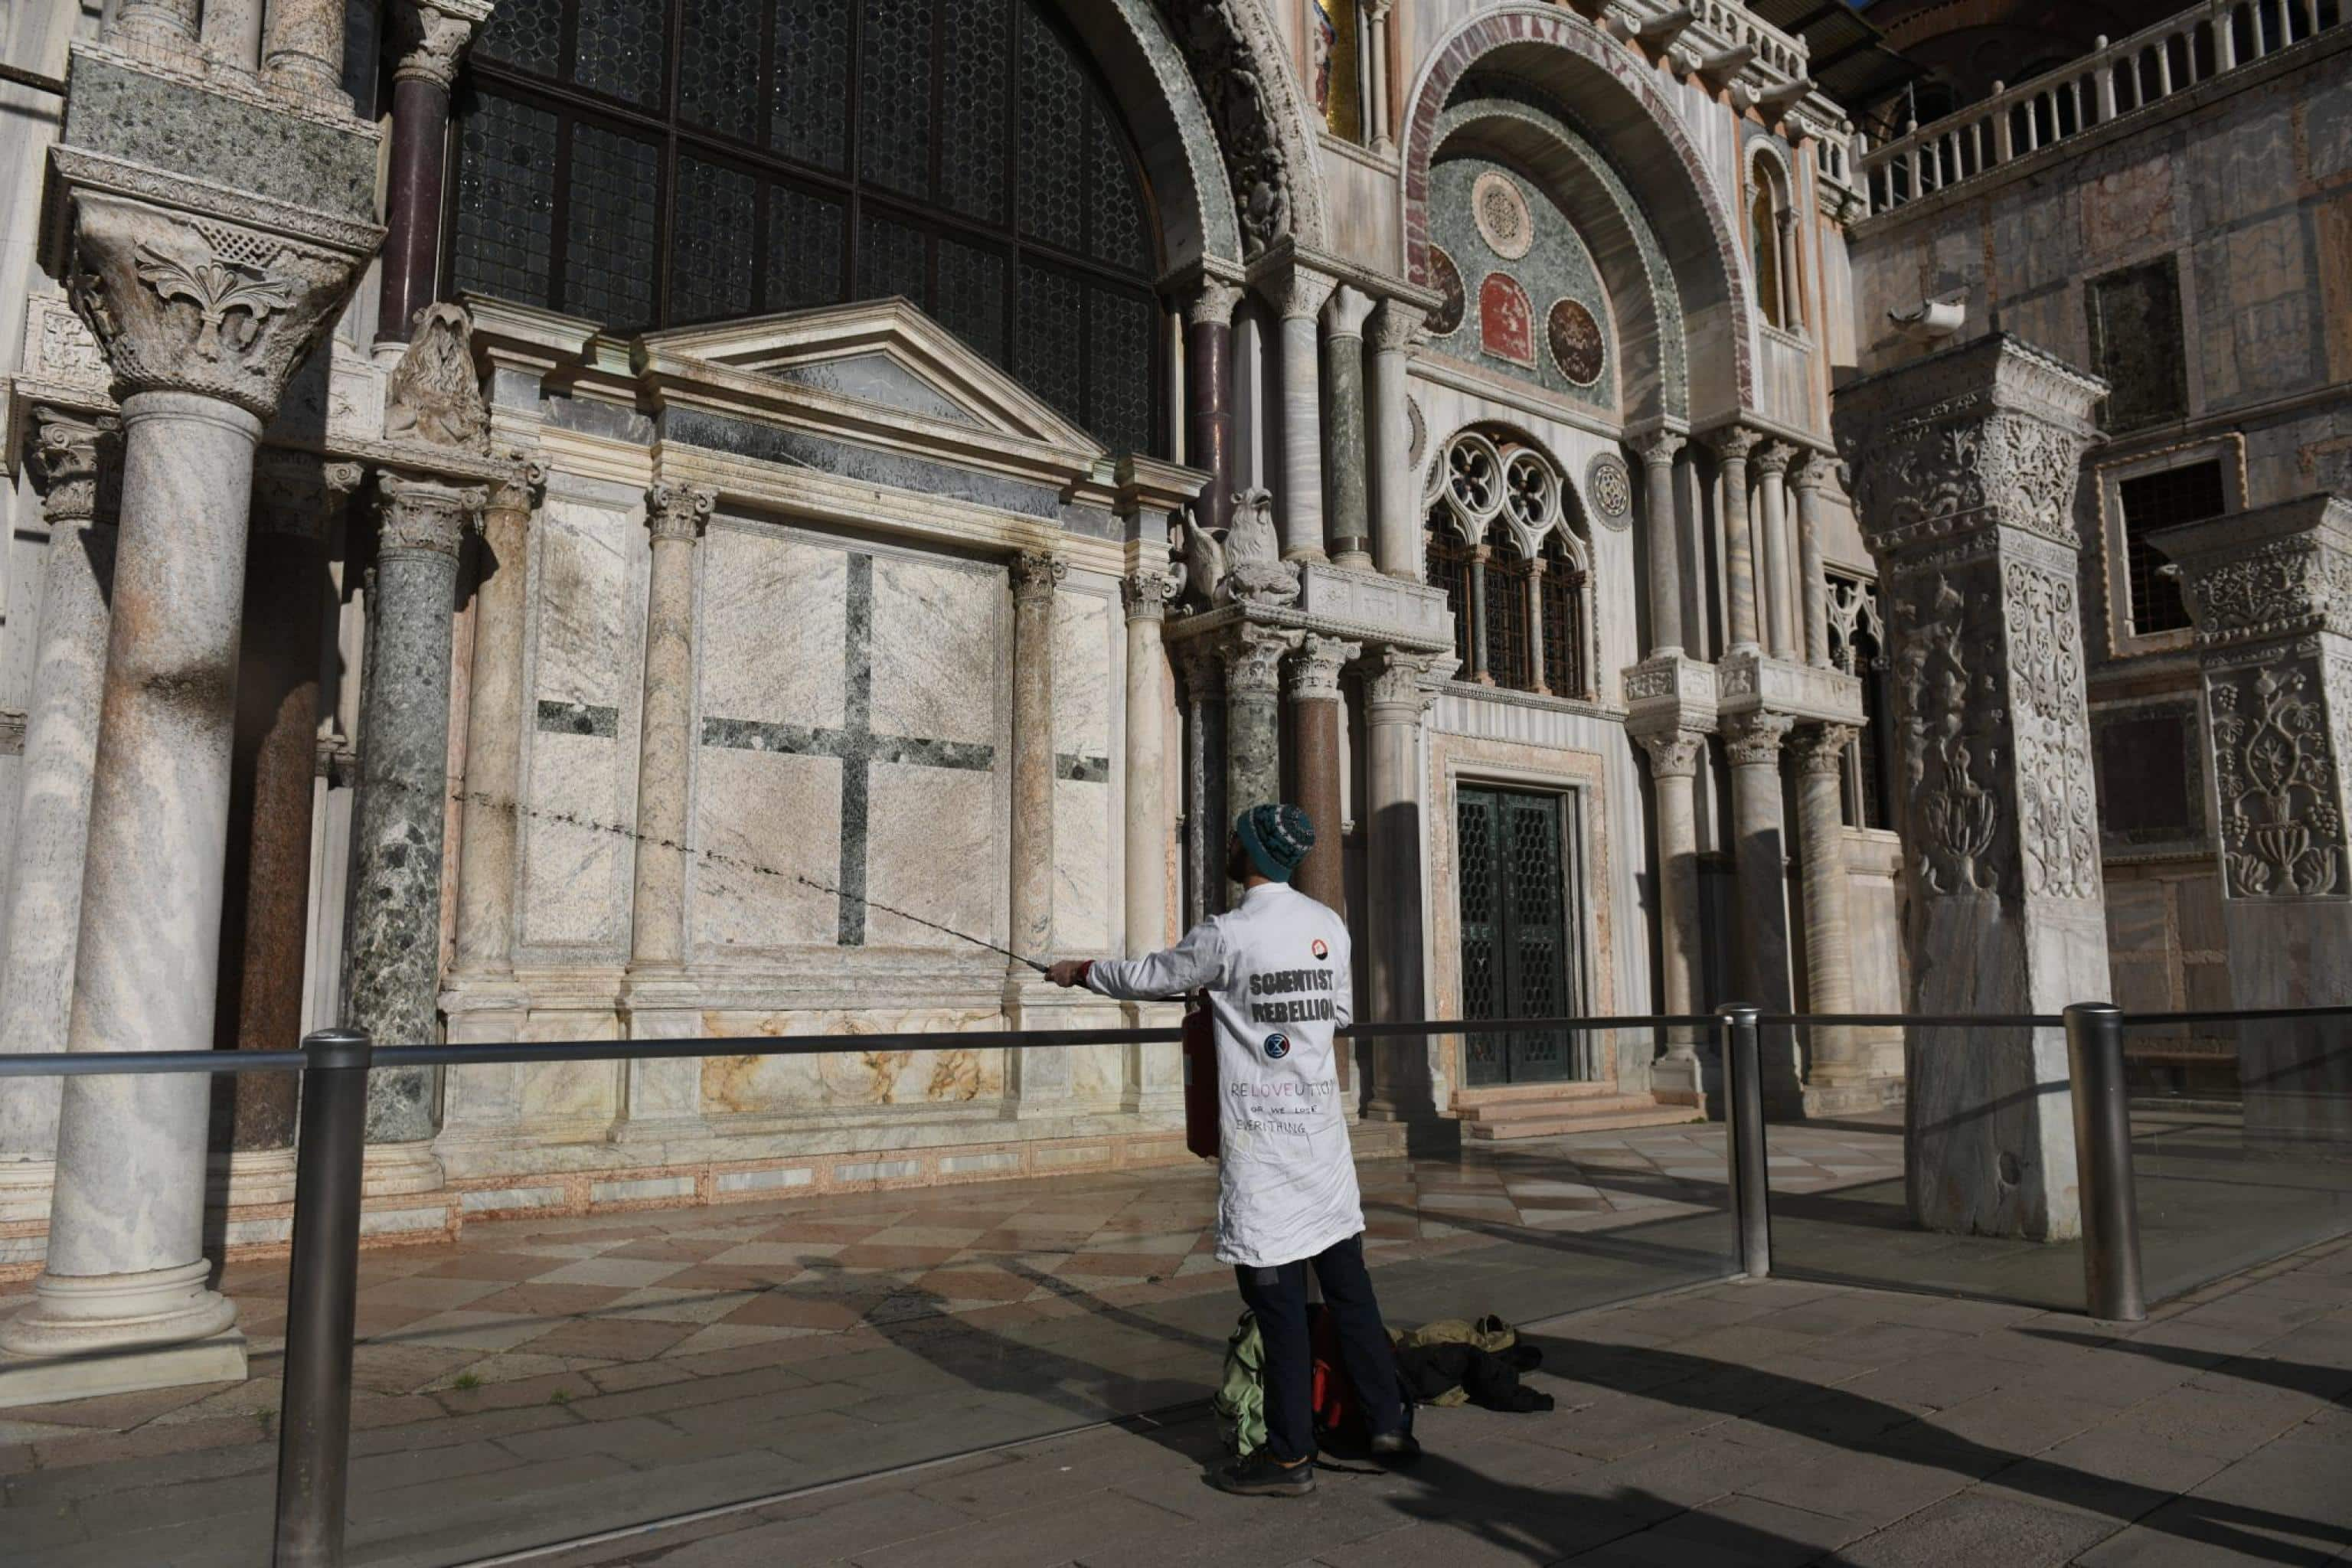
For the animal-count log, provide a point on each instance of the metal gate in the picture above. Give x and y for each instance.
(1516, 957)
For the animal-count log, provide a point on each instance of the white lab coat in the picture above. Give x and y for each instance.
(1277, 971)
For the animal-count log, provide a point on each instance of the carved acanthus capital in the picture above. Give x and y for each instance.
(431, 36)
(521, 493)
(1658, 448)
(1821, 748)
(1754, 740)
(1394, 679)
(1816, 472)
(1253, 659)
(2277, 571)
(1396, 327)
(1146, 593)
(435, 395)
(1345, 316)
(1299, 292)
(675, 512)
(1773, 456)
(1213, 304)
(1035, 576)
(425, 515)
(1675, 753)
(1315, 667)
(78, 465)
(1734, 443)
(197, 305)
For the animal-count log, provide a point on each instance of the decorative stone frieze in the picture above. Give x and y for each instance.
(1965, 468)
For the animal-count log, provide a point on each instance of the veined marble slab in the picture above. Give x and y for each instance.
(771, 629)
(945, 1076)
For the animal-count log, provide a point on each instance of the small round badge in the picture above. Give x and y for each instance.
(1322, 948)
(1277, 1045)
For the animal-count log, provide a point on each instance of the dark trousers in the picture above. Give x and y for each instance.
(1277, 1297)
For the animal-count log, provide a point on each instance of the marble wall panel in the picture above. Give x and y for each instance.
(946, 1076)
(934, 848)
(2126, 211)
(1087, 641)
(2327, 131)
(940, 631)
(2256, 310)
(760, 820)
(771, 637)
(2245, 165)
(586, 666)
(571, 1092)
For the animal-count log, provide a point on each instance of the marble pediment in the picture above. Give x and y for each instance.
(885, 360)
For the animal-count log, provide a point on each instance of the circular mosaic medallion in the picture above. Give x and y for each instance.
(1576, 342)
(1420, 431)
(1453, 301)
(1610, 487)
(1502, 215)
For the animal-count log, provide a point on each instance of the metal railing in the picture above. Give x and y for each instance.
(314, 1424)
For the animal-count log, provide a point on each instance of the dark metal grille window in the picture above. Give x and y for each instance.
(1515, 934)
(662, 162)
(1508, 588)
(1448, 567)
(1563, 622)
(2158, 500)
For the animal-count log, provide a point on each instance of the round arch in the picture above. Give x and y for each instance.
(1273, 159)
(1131, 47)
(1567, 57)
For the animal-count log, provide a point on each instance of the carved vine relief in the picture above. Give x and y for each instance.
(2058, 828)
(1951, 741)
(1228, 75)
(2282, 827)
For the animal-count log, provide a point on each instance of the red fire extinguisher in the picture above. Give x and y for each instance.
(1201, 1094)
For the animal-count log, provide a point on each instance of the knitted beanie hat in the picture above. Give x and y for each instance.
(1277, 838)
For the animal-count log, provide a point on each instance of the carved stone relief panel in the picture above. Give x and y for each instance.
(2282, 832)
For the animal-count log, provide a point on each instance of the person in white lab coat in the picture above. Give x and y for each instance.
(1277, 971)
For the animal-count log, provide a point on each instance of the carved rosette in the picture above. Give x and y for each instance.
(197, 305)
(1754, 740)
(678, 512)
(425, 516)
(77, 464)
(1315, 667)
(1036, 575)
(1675, 753)
(1146, 594)
(431, 36)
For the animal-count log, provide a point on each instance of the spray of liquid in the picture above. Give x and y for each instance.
(934, 925)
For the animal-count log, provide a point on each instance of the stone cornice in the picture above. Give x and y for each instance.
(2275, 573)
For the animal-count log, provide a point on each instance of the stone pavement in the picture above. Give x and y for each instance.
(1736, 1426)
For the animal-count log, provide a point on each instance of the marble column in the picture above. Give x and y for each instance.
(1205, 817)
(432, 35)
(1966, 467)
(231, 35)
(1675, 758)
(2271, 592)
(1376, 84)
(303, 58)
(495, 721)
(1807, 480)
(158, 29)
(1396, 490)
(1772, 525)
(1752, 742)
(1732, 448)
(1035, 1082)
(1841, 1075)
(1154, 1073)
(1297, 297)
(1407, 1083)
(1208, 392)
(1663, 525)
(657, 998)
(1254, 657)
(77, 462)
(393, 948)
(201, 321)
(1343, 345)
(272, 805)
(1317, 717)
(1481, 655)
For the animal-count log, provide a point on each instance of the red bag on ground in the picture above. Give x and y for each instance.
(1337, 1412)
(1199, 1048)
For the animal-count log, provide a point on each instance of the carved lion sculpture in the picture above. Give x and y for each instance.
(433, 396)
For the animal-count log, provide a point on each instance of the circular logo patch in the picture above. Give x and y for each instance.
(1322, 948)
(1278, 1046)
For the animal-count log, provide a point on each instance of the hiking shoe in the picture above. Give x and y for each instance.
(1262, 1475)
(1396, 1447)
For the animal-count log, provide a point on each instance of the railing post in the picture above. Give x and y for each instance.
(314, 1427)
(2103, 1163)
(1743, 1110)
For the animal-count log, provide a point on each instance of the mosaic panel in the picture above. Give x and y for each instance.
(1519, 255)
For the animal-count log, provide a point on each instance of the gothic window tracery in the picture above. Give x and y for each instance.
(662, 162)
(1858, 647)
(1500, 542)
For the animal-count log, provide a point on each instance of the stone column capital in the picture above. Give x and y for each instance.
(1675, 753)
(432, 36)
(1298, 292)
(1814, 473)
(1754, 740)
(2278, 571)
(1772, 457)
(1396, 327)
(1146, 594)
(678, 512)
(76, 462)
(1346, 314)
(1254, 657)
(1821, 748)
(1036, 575)
(424, 515)
(1658, 448)
(522, 491)
(1395, 679)
(1315, 667)
(295, 494)
(1212, 303)
(1734, 443)
(199, 305)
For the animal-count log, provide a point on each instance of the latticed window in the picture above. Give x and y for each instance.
(1510, 584)
(1509, 497)
(1449, 568)
(2153, 501)
(1563, 621)
(661, 162)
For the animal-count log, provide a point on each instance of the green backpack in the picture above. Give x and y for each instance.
(1240, 1404)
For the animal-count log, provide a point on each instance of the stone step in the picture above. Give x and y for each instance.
(1616, 1112)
